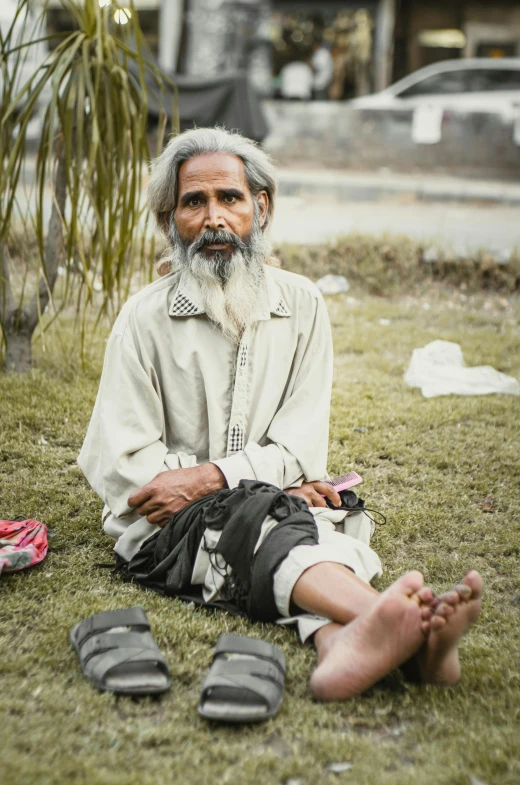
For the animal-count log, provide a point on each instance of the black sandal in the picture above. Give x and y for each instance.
(245, 682)
(118, 654)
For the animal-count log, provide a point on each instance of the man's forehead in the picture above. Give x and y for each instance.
(212, 169)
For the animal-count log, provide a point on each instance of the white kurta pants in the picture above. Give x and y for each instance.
(343, 539)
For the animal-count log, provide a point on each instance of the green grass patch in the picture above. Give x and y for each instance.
(385, 265)
(428, 464)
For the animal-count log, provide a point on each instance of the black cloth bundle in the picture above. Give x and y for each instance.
(165, 561)
(227, 100)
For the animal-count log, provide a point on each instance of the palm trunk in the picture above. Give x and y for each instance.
(18, 337)
(19, 323)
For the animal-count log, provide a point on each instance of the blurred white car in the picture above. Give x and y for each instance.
(474, 85)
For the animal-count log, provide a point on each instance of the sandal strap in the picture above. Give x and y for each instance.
(99, 667)
(101, 622)
(261, 669)
(107, 641)
(238, 644)
(226, 673)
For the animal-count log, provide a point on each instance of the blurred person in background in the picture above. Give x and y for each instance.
(323, 68)
(297, 80)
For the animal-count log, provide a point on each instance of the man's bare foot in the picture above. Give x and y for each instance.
(455, 611)
(354, 657)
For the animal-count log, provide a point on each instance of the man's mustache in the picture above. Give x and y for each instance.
(217, 237)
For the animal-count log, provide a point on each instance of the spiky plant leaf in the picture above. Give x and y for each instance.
(94, 137)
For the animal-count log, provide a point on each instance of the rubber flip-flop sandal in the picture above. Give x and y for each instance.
(245, 682)
(118, 654)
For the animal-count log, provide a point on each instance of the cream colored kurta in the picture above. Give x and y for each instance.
(176, 393)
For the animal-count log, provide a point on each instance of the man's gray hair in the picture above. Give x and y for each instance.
(163, 184)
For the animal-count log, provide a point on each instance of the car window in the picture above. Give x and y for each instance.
(487, 79)
(470, 81)
(439, 84)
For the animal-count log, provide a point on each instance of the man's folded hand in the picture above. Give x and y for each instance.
(171, 491)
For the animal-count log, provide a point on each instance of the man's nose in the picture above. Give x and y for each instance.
(213, 218)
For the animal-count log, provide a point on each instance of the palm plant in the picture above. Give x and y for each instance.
(93, 151)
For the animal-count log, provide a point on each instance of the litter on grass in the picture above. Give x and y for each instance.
(333, 284)
(22, 544)
(339, 768)
(439, 369)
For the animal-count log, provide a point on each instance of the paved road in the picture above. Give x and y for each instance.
(318, 216)
(459, 227)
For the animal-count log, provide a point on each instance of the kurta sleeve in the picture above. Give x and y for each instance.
(299, 432)
(123, 450)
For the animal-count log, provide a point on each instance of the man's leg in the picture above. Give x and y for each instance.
(332, 590)
(372, 634)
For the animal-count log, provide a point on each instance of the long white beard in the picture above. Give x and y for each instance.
(230, 287)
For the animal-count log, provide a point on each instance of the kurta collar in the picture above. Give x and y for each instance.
(277, 303)
(187, 300)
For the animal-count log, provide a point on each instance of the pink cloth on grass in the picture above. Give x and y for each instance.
(22, 544)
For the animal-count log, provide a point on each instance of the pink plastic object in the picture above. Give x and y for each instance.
(345, 481)
(22, 544)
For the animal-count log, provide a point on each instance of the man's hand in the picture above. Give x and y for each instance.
(313, 493)
(171, 491)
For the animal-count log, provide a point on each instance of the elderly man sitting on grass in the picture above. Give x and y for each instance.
(218, 376)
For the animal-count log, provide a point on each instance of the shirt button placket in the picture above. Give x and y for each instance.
(237, 420)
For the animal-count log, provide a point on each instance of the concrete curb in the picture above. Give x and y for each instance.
(352, 186)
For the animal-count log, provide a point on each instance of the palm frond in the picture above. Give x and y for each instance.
(95, 136)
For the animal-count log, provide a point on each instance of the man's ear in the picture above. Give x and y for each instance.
(263, 204)
(163, 221)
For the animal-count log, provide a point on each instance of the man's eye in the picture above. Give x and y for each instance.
(229, 199)
(194, 202)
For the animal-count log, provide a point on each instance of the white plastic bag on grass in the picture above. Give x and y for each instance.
(333, 284)
(439, 369)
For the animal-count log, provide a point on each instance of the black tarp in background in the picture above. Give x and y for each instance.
(227, 101)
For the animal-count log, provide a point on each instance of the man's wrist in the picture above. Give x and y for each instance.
(212, 478)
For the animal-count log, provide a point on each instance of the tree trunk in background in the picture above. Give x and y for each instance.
(208, 26)
(384, 43)
(18, 335)
(170, 33)
(229, 35)
(19, 323)
(259, 51)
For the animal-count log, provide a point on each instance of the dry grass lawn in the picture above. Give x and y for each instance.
(428, 464)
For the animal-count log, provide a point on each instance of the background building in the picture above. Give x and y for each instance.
(427, 32)
(372, 43)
